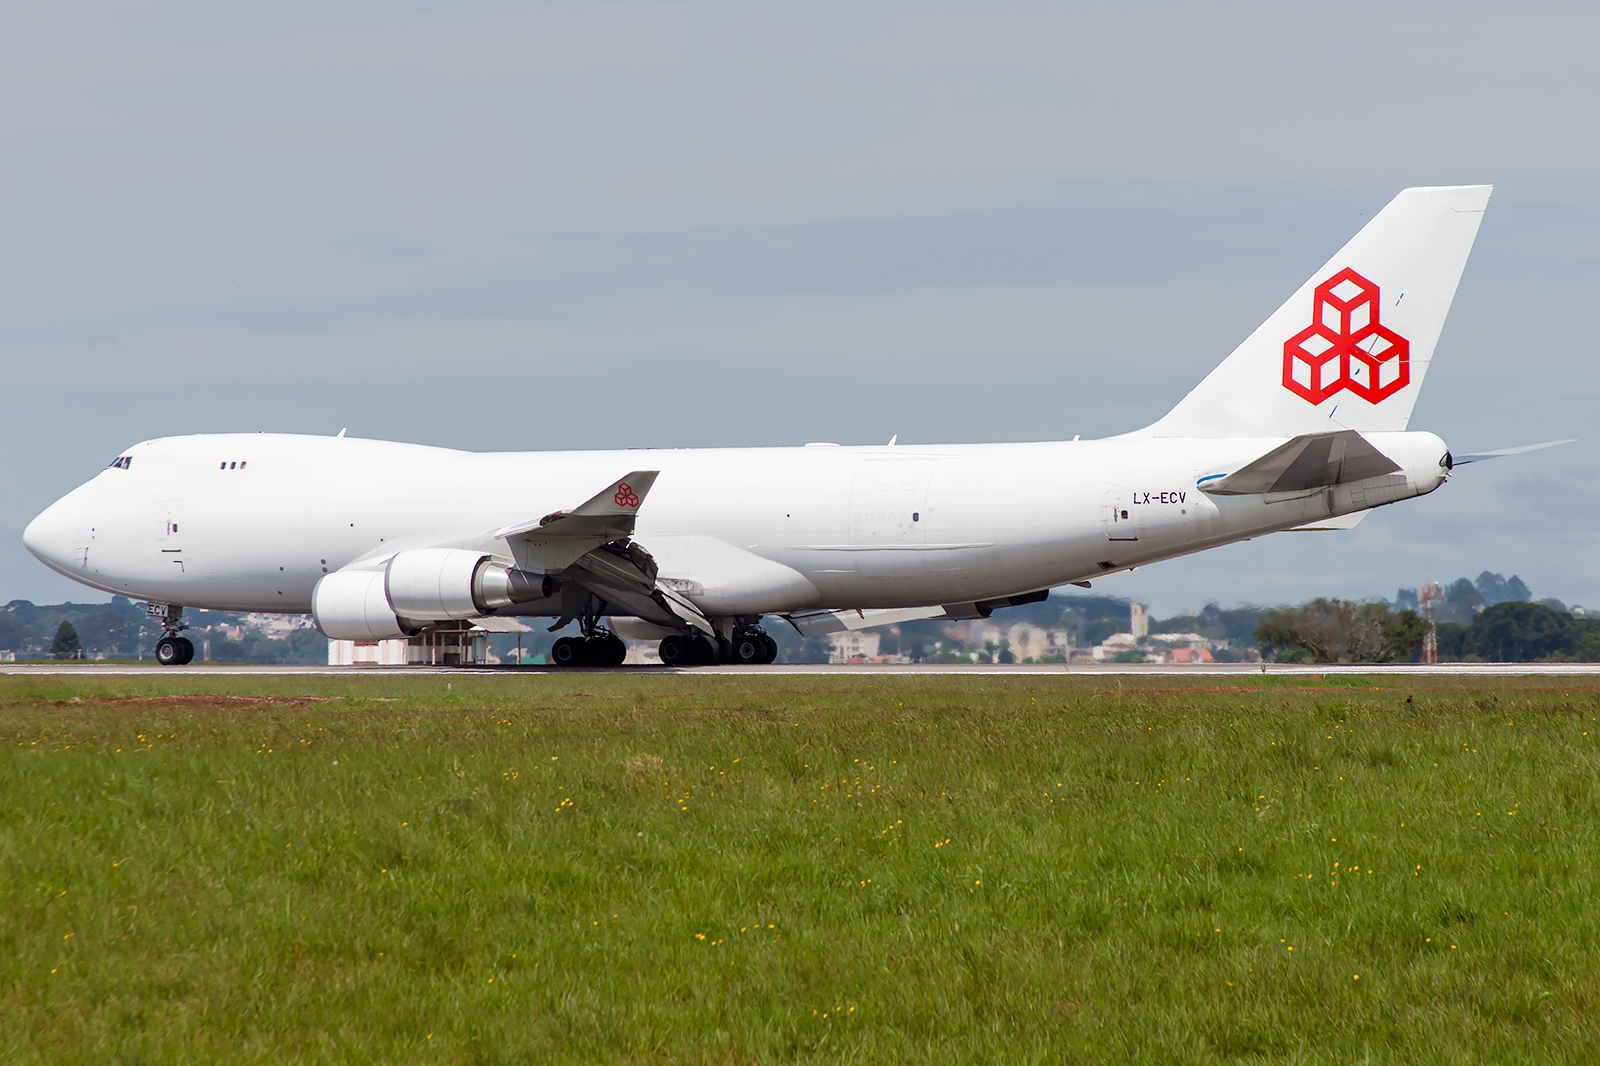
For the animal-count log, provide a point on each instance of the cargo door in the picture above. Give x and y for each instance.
(1119, 518)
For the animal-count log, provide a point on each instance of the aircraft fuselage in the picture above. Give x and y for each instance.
(251, 522)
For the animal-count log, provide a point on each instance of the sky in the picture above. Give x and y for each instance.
(532, 226)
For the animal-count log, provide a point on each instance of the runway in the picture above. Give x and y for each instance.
(1029, 670)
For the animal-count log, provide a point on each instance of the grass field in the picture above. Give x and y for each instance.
(673, 868)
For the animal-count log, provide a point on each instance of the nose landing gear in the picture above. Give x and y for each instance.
(172, 649)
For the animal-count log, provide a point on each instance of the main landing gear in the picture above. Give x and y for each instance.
(602, 649)
(172, 649)
(749, 647)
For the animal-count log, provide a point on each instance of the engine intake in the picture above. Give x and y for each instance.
(351, 605)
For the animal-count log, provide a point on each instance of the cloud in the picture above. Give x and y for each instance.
(765, 224)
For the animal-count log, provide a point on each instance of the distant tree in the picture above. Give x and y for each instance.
(66, 645)
(1236, 625)
(1496, 589)
(814, 650)
(1328, 631)
(1461, 602)
(1452, 640)
(14, 636)
(1512, 632)
(1404, 633)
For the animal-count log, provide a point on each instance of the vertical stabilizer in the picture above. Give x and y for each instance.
(1349, 350)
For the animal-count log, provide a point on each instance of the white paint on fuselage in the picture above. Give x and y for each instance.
(991, 520)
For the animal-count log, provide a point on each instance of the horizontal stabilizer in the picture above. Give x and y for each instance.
(1478, 457)
(1309, 461)
(609, 512)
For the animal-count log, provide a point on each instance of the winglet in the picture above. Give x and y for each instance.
(609, 512)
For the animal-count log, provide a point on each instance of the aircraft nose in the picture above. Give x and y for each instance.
(50, 536)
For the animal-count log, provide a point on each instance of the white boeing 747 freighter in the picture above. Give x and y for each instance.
(1303, 426)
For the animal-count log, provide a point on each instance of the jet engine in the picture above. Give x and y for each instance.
(417, 587)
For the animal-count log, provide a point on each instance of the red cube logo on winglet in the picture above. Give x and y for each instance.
(1346, 346)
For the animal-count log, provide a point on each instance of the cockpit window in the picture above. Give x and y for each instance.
(122, 462)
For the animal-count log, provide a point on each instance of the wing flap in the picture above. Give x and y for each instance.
(817, 623)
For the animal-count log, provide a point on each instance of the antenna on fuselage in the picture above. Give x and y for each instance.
(341, 432)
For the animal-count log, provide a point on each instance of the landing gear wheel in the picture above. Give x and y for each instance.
(188, 650)
(568, 651)
(608, 650)
(706, 652)
(749, 649)
(771, 655)
(675, 651)
(170, 653)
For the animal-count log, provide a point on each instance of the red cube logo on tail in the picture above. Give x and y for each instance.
(1346, 347)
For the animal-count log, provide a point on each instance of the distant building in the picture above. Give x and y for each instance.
(1139, 620)
(1031, 642)
(1112, 646)
(468, 646)
(1192, 655)
(853, 646)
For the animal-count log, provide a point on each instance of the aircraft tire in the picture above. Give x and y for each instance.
(706, 652)
(749, 649)
(169, 652)
(771, 655)
(568, 651)
(608, 650)
(674, 651)
(187, 647)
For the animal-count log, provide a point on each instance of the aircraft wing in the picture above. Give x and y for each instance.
(609, 512)
(815, 623)
(1309, 461)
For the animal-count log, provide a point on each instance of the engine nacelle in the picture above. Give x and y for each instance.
(351, 605)
(417, 587)
(434, 583)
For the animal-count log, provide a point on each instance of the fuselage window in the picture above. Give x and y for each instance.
(232, 465)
